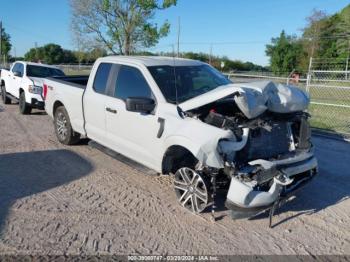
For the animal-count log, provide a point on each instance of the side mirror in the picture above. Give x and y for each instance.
(140, 104)
(16, 73)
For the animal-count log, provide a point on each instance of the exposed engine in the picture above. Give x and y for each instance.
(270, 136)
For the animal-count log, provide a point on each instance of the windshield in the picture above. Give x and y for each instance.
(41, 71)
(191, 81)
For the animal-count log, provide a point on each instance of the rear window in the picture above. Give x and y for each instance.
(101, 78)
(42, 71)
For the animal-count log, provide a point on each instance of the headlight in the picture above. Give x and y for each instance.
(35, 89)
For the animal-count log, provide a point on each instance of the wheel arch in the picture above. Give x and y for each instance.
(177, 156)
(178, 147)
(56, 105)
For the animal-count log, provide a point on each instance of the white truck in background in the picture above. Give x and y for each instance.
(23, 83)
(183, 117)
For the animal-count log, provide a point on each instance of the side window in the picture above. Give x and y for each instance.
(101, 78)
(15, 67)
(21, 69)
(131, 83)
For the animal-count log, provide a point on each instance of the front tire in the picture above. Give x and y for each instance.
(24, 107)
(4, 97)
(192, 189)
(63, 128)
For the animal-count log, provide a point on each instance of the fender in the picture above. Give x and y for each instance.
(206, 153)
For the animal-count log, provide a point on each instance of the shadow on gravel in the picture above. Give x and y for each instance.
(330, 187)
(28, 173)
(39, 113)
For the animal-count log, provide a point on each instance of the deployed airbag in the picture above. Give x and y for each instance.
(265, 95)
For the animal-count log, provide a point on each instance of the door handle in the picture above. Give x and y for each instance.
(108, 109)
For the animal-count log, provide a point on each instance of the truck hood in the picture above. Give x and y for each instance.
(255, 98)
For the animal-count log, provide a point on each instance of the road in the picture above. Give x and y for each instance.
(77, 200)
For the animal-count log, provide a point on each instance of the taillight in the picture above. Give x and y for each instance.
(45, 91)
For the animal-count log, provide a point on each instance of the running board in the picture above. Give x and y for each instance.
(13, 98)
(133, 164)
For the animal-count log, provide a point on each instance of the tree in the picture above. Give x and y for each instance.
(50, 54)
(312, 33)
(343, 26)
(6, 44)
(284, 52)
(123, 26)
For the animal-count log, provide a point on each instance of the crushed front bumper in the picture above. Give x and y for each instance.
(246, 200)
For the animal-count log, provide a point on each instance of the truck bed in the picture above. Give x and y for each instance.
(67, 91)
(79, 81)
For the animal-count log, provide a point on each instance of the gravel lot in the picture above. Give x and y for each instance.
(77, 200)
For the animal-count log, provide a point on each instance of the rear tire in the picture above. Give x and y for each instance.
(4, 97)
(24, 107)
(63, 128)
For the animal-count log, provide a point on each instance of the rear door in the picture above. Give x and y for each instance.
(130, 133)
(94, 104)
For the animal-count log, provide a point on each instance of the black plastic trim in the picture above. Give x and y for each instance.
(161, 121)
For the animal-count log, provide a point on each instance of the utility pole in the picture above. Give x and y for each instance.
(0, 42)
(178, 37)
(210, 53)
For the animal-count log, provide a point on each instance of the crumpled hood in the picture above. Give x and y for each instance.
(255, 98)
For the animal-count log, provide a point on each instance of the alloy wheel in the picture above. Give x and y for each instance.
(61, 125)
(191, 189)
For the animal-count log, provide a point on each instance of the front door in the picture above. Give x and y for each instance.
(17, 82)
(131, 133)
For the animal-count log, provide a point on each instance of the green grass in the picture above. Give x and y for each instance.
(76, 72)
(336, 119)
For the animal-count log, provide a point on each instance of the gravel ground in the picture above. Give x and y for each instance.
(77, 200)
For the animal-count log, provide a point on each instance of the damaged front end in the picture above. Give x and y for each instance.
(270, 154)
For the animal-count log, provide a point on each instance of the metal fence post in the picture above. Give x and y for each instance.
(308, 79)
(347, 66)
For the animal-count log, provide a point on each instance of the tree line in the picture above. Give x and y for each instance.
(55, 54)
(325, 37)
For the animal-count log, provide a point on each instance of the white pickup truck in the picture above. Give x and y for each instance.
(183, 117)
(23, 83)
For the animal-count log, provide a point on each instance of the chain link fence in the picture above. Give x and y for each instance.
(328, 83)
(75, 69)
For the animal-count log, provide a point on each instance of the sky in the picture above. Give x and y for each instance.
(239, 29)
